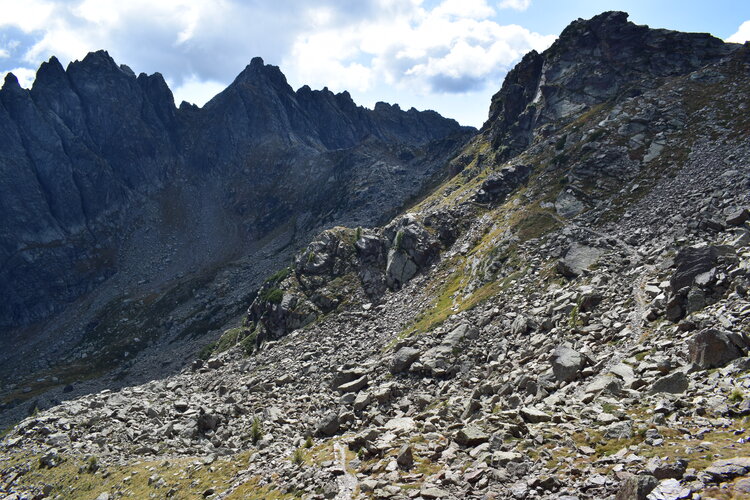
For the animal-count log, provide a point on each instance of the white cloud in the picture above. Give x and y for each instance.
(28, 15)
(453, 48)
(25, 76)
(742, 35)
(515, 4)
(195, 91)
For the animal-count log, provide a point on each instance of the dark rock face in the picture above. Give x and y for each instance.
(591, 62)
(92, 150)
(500, 184)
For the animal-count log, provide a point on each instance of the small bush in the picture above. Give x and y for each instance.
(92, 464)
(272, 295)
(309, 442)
(399, 240)
(560, 144)
(279, 276)
(256, 431)
(575, 321)
(298, 458)
(206, 351)
(736, 396)
(358, 234)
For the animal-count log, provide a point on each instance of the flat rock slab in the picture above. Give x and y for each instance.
(534, 416)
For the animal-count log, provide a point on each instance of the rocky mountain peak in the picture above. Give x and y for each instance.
(259, 73)
(10, 83)
(592, 61)
(49, 73)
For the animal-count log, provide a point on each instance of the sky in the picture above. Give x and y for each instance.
(446, 55)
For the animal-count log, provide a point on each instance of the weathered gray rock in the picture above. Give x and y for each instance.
(675, 383)
(500, 184)
(578, 259)
(405, 457)
(670, 489)
(355, 385)
(714, 348)
(534, 416)
(566, 363)
(727, 469)
(691, 262)
(619, 430)
(329, 425)
(471, 435)
(403, 359)
(738, 217)
(438, 361)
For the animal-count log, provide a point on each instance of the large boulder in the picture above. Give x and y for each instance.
(439, 360)
(691, 262)
(403, 359)
(578, 259)
(674, 383)
(329, 425)
(566, 363)
(412, 248)
(636, 487)
(714, 348)
(500, 184)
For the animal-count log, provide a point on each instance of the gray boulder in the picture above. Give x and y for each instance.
(403, 359)
(578, 259)
(329, 425)
(636, 487)
(675, 383)
(713, 348)
(738, 217)
(566, 363)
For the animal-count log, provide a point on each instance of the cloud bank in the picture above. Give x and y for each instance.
(742, 35)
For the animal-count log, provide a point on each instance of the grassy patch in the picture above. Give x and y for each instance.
(272, 295)
(76, 479)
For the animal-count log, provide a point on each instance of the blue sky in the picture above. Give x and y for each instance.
(447, 55)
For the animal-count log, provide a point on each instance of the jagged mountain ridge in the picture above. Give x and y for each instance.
(85, 142)
(592, 61)
(116, 200)
(568, 324)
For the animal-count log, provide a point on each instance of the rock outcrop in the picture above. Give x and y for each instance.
(593, 61)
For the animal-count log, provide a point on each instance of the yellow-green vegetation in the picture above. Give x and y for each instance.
(189, 477)
(736, 396)
(256, 431)
(252, 490)
(318, 453)
(298, 457)
(272, 295)
(244, 336)
(699, 449)
(279, 275)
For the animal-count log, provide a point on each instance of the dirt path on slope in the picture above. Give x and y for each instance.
(347, 482)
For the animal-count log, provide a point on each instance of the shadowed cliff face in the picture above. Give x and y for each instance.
(92, 151)
(592, 61)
